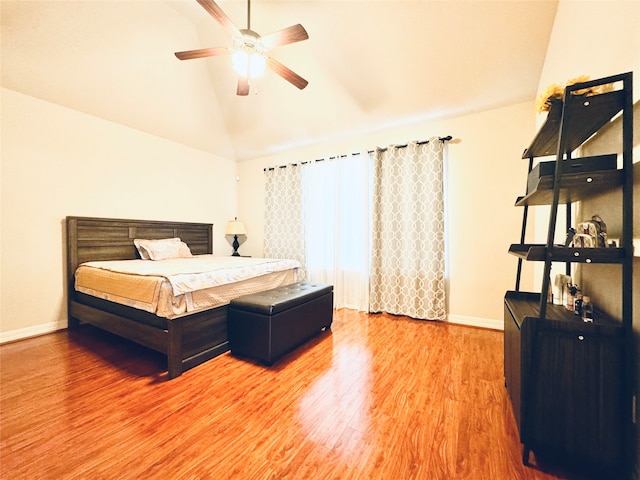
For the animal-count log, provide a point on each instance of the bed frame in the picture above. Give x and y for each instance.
(187, 341)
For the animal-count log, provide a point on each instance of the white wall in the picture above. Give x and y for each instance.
(58, 162)
(485, 175)
(595, 38)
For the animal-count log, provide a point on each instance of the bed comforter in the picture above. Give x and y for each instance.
(178, 286)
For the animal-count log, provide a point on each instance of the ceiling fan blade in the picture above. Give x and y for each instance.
(202, 52)
(243, 86)
(216, 12)
(289, 75)
(293, 34)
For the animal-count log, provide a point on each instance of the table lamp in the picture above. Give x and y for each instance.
(235, 228)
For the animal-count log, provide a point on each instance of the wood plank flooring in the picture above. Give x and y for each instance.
(378, 397)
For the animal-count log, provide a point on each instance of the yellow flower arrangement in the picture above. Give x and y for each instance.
(555, 92)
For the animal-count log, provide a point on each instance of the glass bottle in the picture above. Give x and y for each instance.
(577, 304)
(587, 309)
(572, 291)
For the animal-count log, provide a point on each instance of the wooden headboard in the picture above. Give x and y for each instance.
(92, 239)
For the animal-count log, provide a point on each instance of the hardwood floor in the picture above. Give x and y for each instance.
(378, 397)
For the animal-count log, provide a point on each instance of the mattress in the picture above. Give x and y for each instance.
(180, 286)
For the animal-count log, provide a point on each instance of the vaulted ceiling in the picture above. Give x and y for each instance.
(370, 65)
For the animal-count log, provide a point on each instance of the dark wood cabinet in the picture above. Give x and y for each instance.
(567, 379)
(574, 395)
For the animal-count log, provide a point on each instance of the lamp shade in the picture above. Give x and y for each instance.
(235, 227)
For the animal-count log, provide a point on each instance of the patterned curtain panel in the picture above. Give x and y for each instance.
(284, 226)
(408, 257)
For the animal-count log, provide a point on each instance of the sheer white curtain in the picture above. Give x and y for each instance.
(283, 222)
(408, 246)
(337, 197)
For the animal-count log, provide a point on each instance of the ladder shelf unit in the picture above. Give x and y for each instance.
(566, 378)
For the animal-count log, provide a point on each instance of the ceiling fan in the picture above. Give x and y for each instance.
(249, 48)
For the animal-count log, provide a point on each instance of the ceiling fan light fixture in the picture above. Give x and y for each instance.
(248, 55)
(247, 63)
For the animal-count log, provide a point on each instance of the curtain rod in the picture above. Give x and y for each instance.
(421, 142)
(305, 162)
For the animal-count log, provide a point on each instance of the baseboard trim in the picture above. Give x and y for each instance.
(51, 327)
(476, 322)
(34, 331)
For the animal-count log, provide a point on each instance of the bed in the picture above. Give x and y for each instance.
(189, 332)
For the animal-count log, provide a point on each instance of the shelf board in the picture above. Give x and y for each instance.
(538, 252)
(593, 113)
(524, 305)
(574, 187)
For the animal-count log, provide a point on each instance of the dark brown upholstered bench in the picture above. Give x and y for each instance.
(266, 325)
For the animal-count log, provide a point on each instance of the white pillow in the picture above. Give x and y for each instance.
(162, 249)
